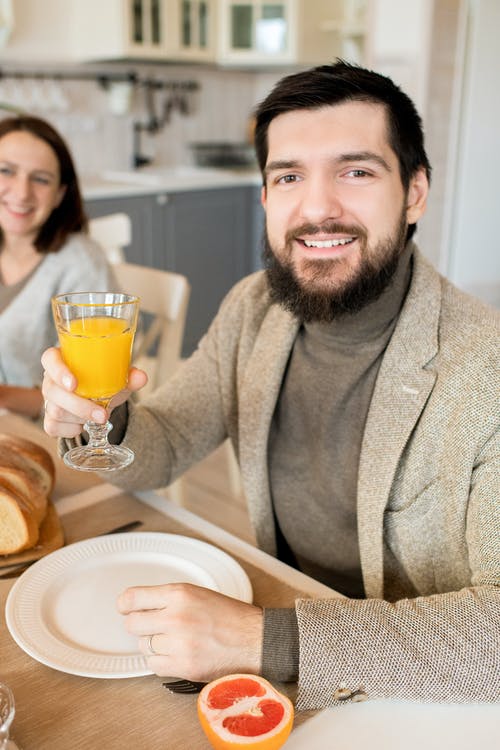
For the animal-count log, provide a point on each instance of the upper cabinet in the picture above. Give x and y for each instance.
(237, 33)
(147, 29)
(94, 30)
(256, 31)
(195, 23)
(267, 32)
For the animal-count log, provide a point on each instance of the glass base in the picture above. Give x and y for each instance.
(103, 458)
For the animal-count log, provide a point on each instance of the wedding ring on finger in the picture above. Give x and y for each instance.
(150, 645)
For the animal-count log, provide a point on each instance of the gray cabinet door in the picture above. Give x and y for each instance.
(257, 229)
(206, 235)
(141, 209)
(211, 236)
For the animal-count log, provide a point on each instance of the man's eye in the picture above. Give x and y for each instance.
(358, 173)
(287, 178)
(5, 170)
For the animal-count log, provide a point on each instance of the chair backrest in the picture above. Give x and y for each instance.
(113, 232)
(164, 295)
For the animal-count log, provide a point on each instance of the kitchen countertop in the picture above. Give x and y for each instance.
(112, 184)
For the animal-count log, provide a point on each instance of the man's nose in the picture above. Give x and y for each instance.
(320, 200)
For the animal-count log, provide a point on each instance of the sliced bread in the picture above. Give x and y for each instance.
(18, 528)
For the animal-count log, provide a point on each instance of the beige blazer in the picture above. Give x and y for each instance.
(428, 500)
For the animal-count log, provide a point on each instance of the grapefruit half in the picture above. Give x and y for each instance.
(244, 711)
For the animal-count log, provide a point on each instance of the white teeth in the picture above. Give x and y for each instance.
(328, 243)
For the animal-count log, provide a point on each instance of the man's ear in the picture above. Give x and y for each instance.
(263, 196)
(416, 200)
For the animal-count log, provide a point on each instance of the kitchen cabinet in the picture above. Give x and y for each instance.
(195, 23)
(91, 30)
(237, 33)
(127, 29)
(267, 32)
(207, 235)
(257, 218)
(142, 211)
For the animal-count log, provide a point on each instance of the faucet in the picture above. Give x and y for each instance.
(138, 160)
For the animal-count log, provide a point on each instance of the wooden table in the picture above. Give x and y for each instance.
(58, 711)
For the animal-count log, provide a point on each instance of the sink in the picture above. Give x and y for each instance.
(157, 176)
(184, 177)
(164, 179)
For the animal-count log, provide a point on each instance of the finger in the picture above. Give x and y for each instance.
(140, 598)
(65, 406)
(57, 429)
(56, 370)
(137, 379)
(147, 621)
(153, 644)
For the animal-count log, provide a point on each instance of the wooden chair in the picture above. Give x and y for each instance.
(113, 232)
(164, 297)
(157, 347)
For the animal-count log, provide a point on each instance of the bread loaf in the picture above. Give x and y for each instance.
(18, 528)
(38, 458)
(27, 475)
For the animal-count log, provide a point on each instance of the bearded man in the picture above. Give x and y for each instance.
(359, 389)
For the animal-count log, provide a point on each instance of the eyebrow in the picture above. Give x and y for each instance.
(354, 156)
(44, 173)
(365, 156)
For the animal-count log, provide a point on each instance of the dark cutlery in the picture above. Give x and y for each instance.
(184, 686)
(21, 567)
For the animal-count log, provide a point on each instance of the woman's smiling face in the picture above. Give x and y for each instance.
(30, 184)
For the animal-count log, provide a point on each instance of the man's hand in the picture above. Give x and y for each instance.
(65, 412)
(198, 634)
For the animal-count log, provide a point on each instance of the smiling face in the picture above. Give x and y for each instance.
(30, 186)
(336, 209)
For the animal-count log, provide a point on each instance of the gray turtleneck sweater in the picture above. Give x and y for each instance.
(314, 448)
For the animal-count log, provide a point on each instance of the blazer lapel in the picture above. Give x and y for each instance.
(401, 391)
(258, 395)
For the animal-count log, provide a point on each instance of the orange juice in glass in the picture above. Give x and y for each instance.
(96, 334)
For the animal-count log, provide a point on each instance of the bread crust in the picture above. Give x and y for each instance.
(26, 481)
(19, 528)
(39, 458)
(27, 475)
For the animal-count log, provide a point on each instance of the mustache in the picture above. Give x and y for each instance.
(328, 227)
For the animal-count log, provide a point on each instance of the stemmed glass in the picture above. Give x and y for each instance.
(7, 711)
(96, 334)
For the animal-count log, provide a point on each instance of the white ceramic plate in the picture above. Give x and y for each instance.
(62, 610)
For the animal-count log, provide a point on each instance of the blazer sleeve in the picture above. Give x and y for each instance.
(442, 648)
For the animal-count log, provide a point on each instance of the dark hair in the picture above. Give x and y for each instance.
(69, 216)
(339, 82)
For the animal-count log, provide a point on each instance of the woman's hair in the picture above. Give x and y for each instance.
(340, 82)
(69, 216)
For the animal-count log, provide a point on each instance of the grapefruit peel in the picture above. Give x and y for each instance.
(244, 711)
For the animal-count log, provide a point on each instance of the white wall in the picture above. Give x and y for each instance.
(474, 244)
(100, 140)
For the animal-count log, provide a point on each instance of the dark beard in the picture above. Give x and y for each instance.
(325, 305)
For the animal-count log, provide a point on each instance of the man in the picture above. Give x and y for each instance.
(359, 389)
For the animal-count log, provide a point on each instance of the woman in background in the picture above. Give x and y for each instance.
(44, 250)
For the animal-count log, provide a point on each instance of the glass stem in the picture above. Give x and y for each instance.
(98, 434)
